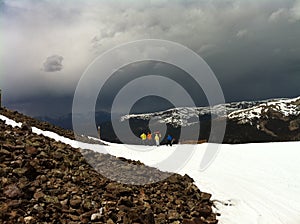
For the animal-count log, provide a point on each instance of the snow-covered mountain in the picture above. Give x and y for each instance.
(258, 121)
(186, 116)
(254, 121)
(267, 110)
(277, 118)
(243, 112)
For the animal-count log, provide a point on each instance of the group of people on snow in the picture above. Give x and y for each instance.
(148, 139)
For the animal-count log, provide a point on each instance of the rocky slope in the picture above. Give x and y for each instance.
(18, 117)
(46, 126)
(43, 181)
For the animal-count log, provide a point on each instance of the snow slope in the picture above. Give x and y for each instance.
(250, 183)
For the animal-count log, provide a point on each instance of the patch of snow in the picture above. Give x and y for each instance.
(10, 122)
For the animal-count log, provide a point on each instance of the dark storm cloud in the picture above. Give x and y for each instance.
(44, 105)
(53, 63)
(252, 46)
(2, 5)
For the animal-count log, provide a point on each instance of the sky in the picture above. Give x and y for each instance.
(252, 46)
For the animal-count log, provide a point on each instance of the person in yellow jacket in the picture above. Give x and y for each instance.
(156, 139)
(143, 136)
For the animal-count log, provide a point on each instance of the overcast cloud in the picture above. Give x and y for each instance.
(252, 45)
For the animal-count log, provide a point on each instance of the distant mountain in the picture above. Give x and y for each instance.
(281, 108)
(278, 118)
(254, 121)
(186, 116)
(257, 121)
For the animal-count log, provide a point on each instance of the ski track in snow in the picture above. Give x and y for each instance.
(261, 182)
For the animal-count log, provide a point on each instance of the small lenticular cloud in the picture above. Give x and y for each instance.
(53, 63)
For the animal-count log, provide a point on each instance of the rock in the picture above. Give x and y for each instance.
(118, 189)
(51, 199)
(4, 152)
(125, 201)
(176, 222)
(195, 214)
(205, 197)
(64, 202)
(26, 127)
(161, 218)
(148, 217)
(174, 215)
(75, 201)
(188, 221)
(205, 211)
(12, 191)
(4, 180)
(74, 217)
(198, 221)
(29, 220)
(178, 202)
(31, 150)
(38, 207)
(14, 203)
(188, 178)
(20, 171)
(110, 221)
(87, 205)
(96, 217)
(38, 195)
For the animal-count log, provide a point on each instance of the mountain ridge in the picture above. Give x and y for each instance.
(274, 127)
(278, 121)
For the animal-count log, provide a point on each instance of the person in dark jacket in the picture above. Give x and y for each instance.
(169, 140)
